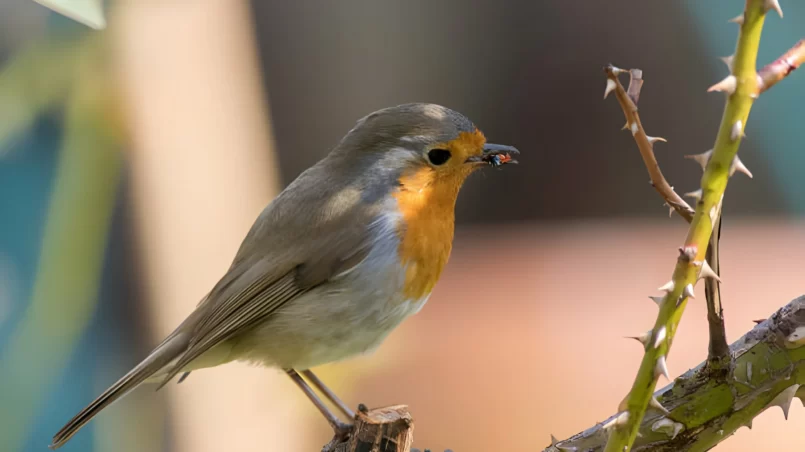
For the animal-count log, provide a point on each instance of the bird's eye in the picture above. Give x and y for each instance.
(438, 156)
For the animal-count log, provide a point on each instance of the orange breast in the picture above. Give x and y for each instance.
(427, 204)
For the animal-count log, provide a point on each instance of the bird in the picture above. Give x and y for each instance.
(334, 263)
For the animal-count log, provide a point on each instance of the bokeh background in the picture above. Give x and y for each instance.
(134, 159)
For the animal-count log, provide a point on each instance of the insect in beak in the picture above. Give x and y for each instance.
(495, 155)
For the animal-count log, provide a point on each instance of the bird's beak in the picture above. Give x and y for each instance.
(495, 155)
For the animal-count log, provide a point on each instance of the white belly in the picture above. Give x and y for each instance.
(348, 316)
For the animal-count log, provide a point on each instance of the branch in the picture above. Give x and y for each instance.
(718, 352)
(781, 67)
(389, 429)
(691, 264)
(645, 143)
(717, 348)
(769, 371)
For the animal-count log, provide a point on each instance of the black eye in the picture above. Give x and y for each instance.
(438, 156)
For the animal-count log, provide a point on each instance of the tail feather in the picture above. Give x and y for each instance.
(159, 358)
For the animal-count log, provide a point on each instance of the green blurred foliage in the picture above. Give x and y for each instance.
(68, 73)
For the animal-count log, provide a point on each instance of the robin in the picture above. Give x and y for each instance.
(335, 262)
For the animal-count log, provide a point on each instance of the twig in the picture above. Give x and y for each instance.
(781, 67)
(645, 143)
(719, 359)
(742, 88)
(769, 371)
(389, 429)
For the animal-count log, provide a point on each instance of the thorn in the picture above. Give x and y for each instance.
(653, 140)
(738, 19)
(783, 399)
(728, 60)
(661, 369)
(708, 272)
(702, 158)
(660, 337)
(668, 287)
(775, 5)
(643, 338)
(737, 130)
(657, 300)
(697, 195)
(749, 424)
(654, 403)
(625, 126)
(618, 71)
(555, 443)
(634, 128)
(688, 292)
(738, 166)
(611, 85)
(759, 321)
(670, 210)
(727, 85)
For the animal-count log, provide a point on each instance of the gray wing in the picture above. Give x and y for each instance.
(317, 243)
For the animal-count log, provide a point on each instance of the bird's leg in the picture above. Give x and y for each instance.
(328, 393)
(341, 429)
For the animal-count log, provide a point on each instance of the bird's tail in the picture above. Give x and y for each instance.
(166, 352)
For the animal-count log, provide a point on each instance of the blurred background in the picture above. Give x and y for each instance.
(133, 160)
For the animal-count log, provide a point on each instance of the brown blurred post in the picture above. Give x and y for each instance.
(202, 167)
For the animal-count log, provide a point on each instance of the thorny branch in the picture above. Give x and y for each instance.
(768, 76)
(645, 143)
(769, 372)
(742, 87)
(718, 349)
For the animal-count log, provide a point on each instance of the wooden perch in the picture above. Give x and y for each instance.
(768, 371)
(389, 429)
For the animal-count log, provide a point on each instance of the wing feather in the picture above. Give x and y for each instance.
(319, 241)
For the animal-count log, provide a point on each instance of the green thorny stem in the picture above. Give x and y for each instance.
(768, 371)
(742, 88)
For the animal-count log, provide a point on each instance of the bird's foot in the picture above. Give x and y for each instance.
(341, 431)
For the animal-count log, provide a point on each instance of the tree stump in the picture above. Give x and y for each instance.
(388, 429)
